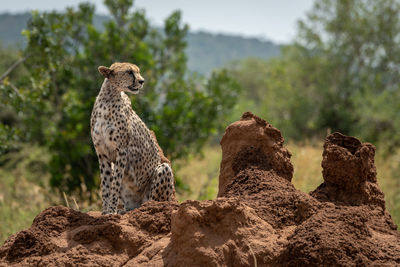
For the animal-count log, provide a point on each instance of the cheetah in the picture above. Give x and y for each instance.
(130, 167)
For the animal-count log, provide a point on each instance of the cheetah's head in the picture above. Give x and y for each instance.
(125, 76)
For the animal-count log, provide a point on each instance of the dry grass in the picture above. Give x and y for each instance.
(306, 159)
(201, 175)
(23, 193)
(388, 168)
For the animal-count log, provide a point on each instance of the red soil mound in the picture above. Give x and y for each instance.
(258, 218)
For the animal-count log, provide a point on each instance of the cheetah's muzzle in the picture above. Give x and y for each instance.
(132, 88)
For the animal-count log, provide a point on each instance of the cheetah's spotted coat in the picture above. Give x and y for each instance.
(130, 166)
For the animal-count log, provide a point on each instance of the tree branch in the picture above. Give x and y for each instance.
(16, 90)
(13, 66)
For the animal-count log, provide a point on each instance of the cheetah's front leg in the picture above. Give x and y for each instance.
(116, 182)
(105, 175)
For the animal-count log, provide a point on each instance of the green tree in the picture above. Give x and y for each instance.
(64, 51)
(10, 96)
(278, 91)
(357, 47)
(341, 73)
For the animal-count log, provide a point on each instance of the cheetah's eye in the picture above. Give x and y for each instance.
(130, 72)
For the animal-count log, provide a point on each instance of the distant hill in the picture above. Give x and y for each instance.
(205, 51)
(11, 26)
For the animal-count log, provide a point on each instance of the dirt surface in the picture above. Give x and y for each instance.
(259, 218)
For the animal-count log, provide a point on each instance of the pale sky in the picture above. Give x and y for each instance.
(268, 19)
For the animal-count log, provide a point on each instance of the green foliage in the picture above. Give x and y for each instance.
(10, 133)
(64, 51)
(9, 138)
(274, 90)
(340, 74)
(357, 47)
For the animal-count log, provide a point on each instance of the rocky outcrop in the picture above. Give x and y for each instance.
(252, 142)
(259, 218)
(349, 173)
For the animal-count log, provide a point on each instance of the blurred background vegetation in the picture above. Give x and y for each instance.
(341, 73)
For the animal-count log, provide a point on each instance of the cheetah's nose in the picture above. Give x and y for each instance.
(141, 81)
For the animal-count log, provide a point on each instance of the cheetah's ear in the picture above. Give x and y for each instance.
(106, 72)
